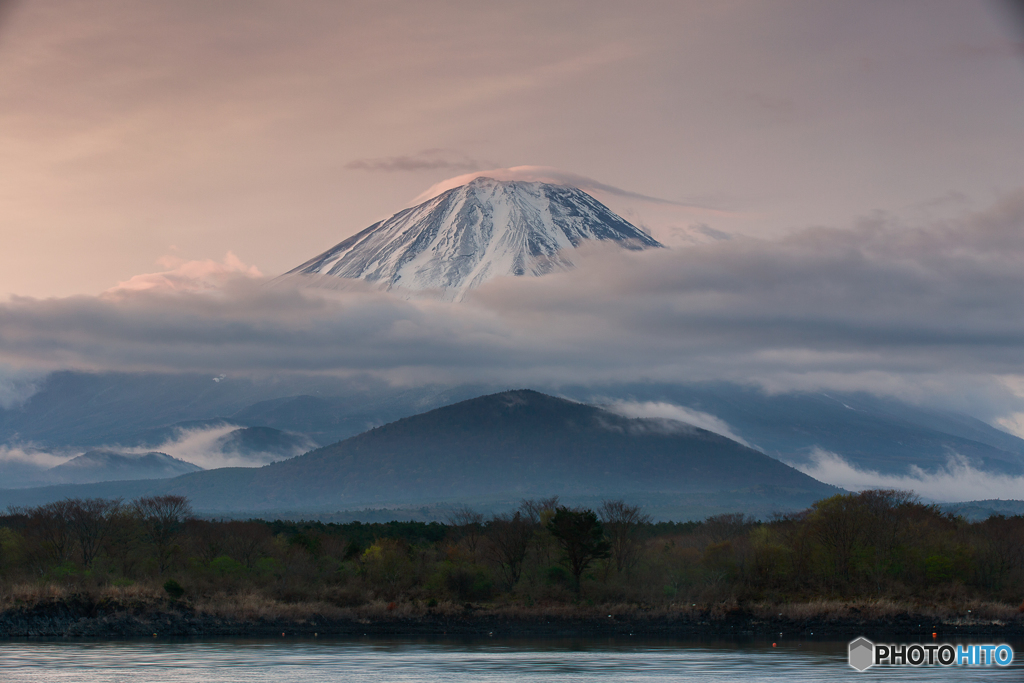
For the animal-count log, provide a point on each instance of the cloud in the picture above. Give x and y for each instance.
(25, 464)
(204, 446)
(17, 385)
(547, 174)
(670, 411)
(188, 276)
(1013, 423)
(929, 313)
(427, 160)
(671, 222)
(956, 482)
(696, 233)
(34, 458)
(199, 447)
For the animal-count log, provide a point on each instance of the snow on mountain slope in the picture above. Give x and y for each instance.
(470, 234)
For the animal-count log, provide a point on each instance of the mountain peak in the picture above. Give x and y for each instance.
(470, 234)
(485, 181)
(106, 465)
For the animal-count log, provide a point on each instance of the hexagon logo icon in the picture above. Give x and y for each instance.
(862, 654)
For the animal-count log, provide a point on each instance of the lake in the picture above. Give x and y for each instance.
(453, 660)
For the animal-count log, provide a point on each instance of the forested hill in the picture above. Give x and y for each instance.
(501, 446)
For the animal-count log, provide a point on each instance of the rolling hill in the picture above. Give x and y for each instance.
(493, 448)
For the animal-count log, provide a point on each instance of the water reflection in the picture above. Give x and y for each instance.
(428, 660)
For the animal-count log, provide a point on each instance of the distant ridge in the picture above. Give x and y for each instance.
(107, 465)
(979, 510)
(498, 447)
(74, 411)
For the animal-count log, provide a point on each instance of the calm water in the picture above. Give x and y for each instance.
(355, 661)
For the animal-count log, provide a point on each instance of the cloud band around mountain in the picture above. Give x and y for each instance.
(889, 309)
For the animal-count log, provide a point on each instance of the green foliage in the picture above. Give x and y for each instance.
(64, 570)
(387, 567)
(173, 589)
(557, 575)
(268, 567)
(873, 544)
(581, 537)
(468, 582)
(362, 535)
(720, 560)
(938, 568)
(662, 529)
(11, 548)
(224, 566)
(308, 542)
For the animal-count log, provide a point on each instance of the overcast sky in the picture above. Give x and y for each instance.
(160, 161)
(132, 131)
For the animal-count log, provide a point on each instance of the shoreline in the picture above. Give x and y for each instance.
(84, 618)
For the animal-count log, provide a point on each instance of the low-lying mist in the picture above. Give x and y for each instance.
(207, 446)
(956, 482)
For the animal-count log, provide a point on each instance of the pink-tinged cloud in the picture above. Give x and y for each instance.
(673, 223)
(188, 276)
(548, 174)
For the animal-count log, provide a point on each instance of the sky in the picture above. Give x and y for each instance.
(159, 162)
(133, 132)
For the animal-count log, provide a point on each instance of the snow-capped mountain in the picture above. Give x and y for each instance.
(470, 234)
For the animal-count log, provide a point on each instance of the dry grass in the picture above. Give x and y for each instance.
(22, 594)
(833, 610)
(30, 593)
(253, 606)
(383, 609)
(990, 611)
(256, 606)
(136, 591)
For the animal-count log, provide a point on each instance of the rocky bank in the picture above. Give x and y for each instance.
(83, 617)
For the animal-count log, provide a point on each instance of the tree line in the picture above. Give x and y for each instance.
(874, 544)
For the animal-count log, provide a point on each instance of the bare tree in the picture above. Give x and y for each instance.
(122, 540)
(469, 524)
(721, 528)
(162, 518)
(207, 539)
(887, 514)
(838, 525)
(538, 510)
(510, 536)
(246, 541)
(90, 522)
(622, 524)
(51, 524)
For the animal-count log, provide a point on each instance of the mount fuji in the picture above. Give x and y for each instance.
(470, 234)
